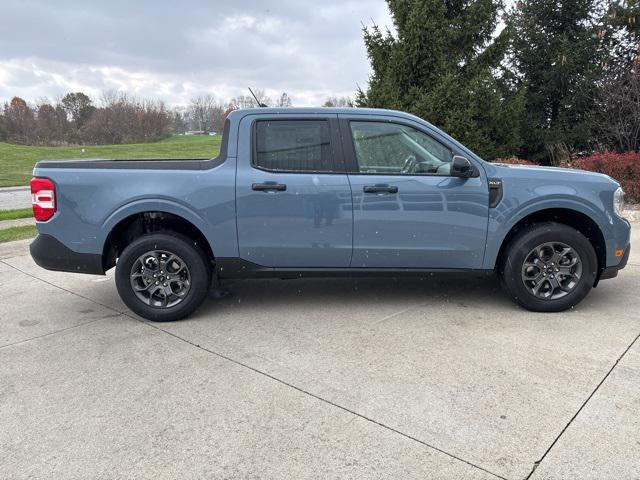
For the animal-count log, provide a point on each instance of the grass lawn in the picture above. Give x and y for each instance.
(17, 161)
(17, 233)
(14, 214)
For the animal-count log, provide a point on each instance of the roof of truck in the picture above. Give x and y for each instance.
(320, 111)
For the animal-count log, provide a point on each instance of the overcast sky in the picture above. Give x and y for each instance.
(180, 49)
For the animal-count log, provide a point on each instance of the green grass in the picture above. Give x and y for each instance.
(17, 161)
(17, 233)
(15, 214)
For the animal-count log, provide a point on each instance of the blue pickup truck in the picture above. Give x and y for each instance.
(327, 192)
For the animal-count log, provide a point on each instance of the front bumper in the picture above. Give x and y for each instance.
(50, 253)
(612, 272)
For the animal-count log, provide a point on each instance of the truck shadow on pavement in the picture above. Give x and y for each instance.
(480, 291)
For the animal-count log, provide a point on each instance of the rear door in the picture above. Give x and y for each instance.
(293, 195)
(409, 212)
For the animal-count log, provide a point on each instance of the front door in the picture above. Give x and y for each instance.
(293, 195)
(408, 211)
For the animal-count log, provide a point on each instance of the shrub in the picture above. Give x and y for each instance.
(623, 167)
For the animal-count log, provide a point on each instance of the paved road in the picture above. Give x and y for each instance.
(18, 222)
(15, 197)
(433, 378)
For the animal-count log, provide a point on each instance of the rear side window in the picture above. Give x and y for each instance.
(293, 146)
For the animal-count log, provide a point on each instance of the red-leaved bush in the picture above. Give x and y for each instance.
(623, 167)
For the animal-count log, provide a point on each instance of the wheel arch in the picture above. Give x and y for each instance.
(134, 225)
(566, 216)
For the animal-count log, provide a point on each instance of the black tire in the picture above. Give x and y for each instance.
(189, 254)
(519, 249)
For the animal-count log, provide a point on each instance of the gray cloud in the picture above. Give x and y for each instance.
(175, 50)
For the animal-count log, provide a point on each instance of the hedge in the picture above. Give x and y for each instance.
(623, 167)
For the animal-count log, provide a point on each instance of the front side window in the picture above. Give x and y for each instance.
(394, 149)
(293, 146)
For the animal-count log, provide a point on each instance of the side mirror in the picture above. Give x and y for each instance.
(461, 167)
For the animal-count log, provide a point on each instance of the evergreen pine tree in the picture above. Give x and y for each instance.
(558, 52)
(442, 65)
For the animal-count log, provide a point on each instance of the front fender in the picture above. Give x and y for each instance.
(503, 218)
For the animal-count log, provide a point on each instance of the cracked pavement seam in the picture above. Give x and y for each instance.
(537, 463)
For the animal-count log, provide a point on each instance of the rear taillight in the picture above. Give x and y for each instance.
(43, 198)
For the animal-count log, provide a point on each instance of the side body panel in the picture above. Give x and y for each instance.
(432, 221)
(307, 225)
(90, 202)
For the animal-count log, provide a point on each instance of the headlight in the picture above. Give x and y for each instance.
(618, 201)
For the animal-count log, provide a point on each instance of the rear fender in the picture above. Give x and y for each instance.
(153, 205)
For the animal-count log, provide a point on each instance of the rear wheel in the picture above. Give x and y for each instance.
(549, 267)
(163, 276)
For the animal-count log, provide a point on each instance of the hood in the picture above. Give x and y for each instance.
(555, 173)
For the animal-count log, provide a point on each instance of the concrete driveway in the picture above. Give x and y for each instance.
(433, 378)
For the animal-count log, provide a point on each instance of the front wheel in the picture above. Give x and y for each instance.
(163, 276)
(549, 267)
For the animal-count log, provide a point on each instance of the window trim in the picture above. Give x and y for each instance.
(351, 158)
(336, 160)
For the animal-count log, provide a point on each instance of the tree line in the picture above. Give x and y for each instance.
(542, 80)
(118, 118)
(207, 114)
(75, 118)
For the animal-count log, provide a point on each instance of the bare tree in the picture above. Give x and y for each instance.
(242, 101)
(338, 102)
(618, 119)
(46, 123)
(247, 101)
(263, 98)
(4, 126)
(284, 100)
(179, 120)
(205, 113)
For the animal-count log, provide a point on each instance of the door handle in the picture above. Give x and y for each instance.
(279, 187)
(380, 189)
